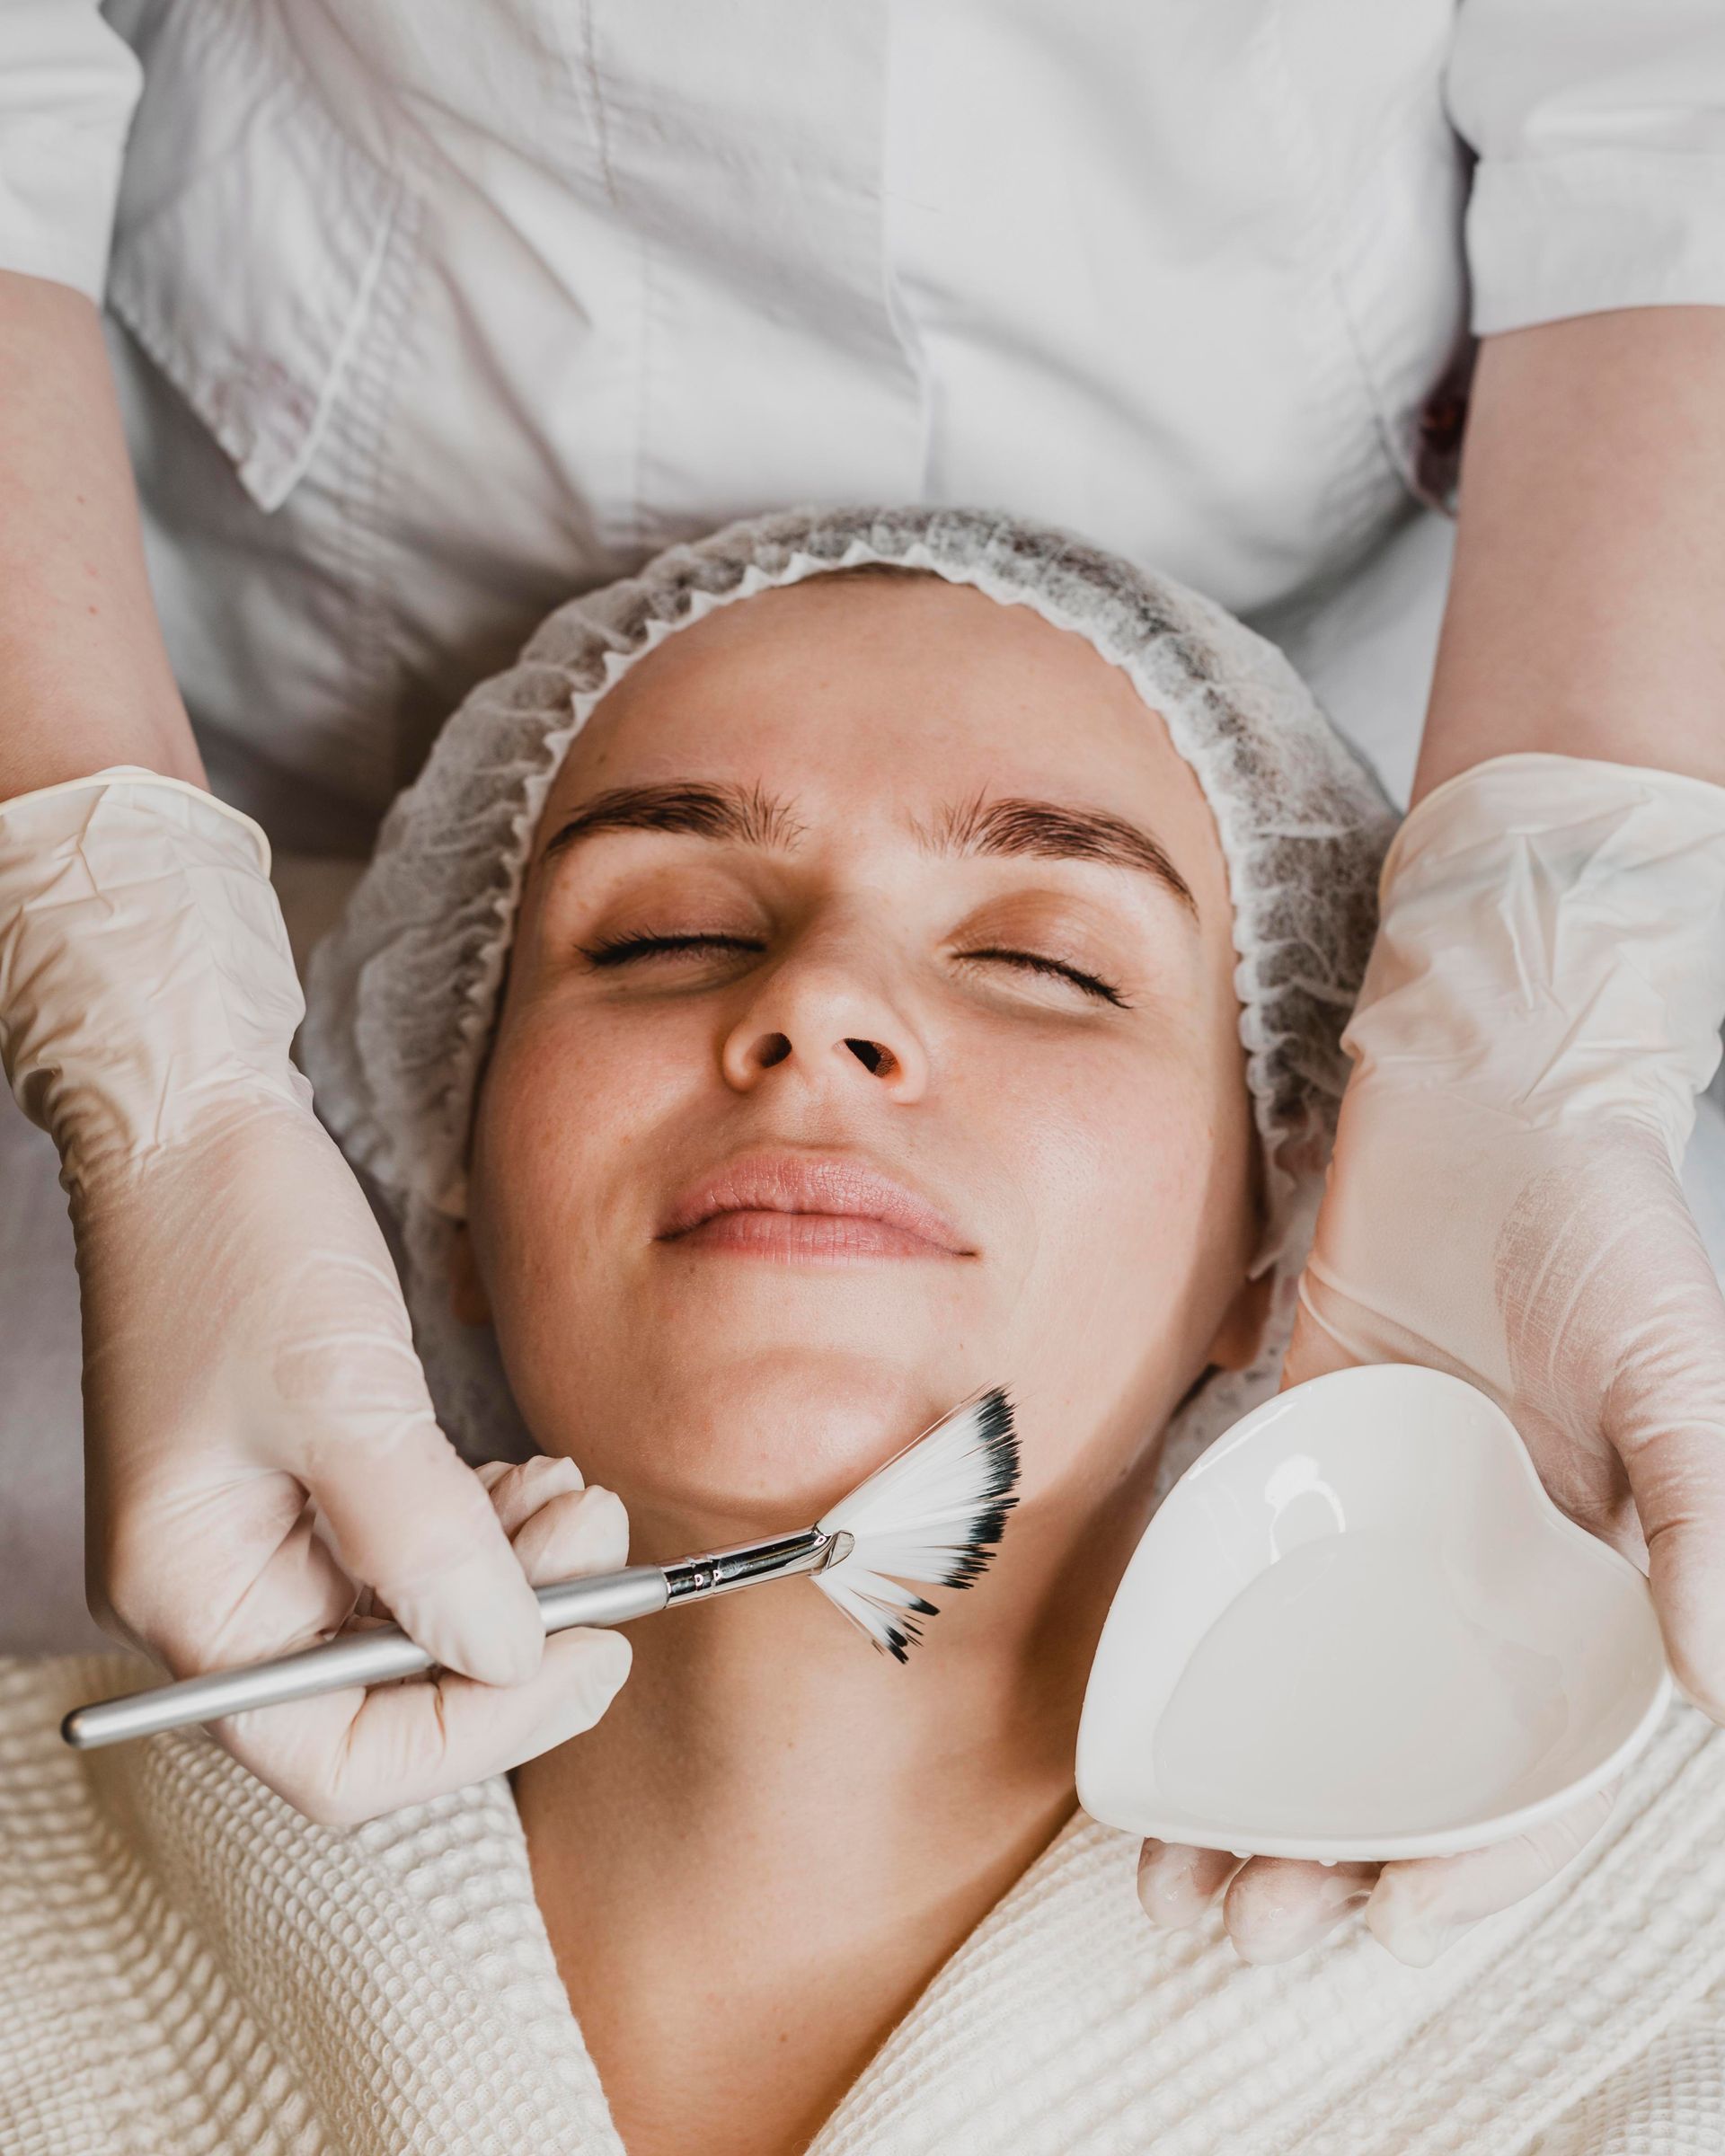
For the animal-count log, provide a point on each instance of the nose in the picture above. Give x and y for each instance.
(823, 1019)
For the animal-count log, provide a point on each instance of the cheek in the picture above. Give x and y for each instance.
(1125, 1179)
(1137, 1186)
(568, 1105)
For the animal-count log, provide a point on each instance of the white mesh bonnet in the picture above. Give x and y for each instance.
(403, 993)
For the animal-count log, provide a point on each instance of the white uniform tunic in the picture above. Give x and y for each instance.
(429, 315)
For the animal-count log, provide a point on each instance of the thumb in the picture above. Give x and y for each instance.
(1422, 1906)
(412, 1521)
(1664, 1415)
(1313, 1350)
(1329, 1331)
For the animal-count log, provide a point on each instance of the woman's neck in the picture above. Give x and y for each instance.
(776, 1836)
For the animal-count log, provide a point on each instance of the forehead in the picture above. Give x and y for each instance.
(877, 697)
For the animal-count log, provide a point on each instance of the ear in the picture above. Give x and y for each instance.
(1241, 1333)
(467, 1296)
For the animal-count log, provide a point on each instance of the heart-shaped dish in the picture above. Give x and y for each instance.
(1358, 1629)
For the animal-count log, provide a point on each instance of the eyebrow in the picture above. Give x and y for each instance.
(749, 816)
(1054, 831)
(743, 815)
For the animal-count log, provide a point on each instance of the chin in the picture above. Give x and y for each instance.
(765, 1440)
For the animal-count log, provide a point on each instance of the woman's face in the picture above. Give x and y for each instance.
(870, 1036)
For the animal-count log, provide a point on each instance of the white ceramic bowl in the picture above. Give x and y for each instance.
(1357, 1628)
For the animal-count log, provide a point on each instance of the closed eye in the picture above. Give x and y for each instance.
(1036, 962)
(620, 950)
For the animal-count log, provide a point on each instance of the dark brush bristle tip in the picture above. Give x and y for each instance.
(999, 1439)
(977, 1439)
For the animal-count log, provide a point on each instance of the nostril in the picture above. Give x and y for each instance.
(873, 1056)
(773, 1049)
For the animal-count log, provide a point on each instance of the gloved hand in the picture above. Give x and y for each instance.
(346, 1756)
(1543, 1006)
(252, 1395)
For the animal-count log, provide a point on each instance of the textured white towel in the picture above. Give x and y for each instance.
(189, 1968)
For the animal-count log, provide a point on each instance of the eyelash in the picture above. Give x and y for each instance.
(619, 950)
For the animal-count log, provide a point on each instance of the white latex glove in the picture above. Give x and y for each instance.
(1543, 1006)
(348, 1755)
(249, 1383)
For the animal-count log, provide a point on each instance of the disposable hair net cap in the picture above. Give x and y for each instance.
(403, 993)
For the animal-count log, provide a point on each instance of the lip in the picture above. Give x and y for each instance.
(826, 1205)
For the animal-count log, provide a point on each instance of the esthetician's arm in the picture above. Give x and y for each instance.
(85, 681)
(246, 1342)
(1544, 1001)
(1586, 604)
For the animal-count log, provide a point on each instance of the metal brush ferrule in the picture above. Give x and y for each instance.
(717, 1571)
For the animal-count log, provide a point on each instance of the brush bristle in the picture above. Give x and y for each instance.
(934, 1513)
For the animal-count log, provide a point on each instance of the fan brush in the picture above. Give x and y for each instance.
(933, 1514)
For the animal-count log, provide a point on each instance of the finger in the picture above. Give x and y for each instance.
(491, 1473)
(1313, 1349)
(563, 1536)
(1639, 1328)
(268, 1585)
(1178, 1883)
(414, 1521)
(1679, 1485)
(1278, 1906)
(557, 1528)
(573, 1534)
(1422, 1906)
(1667, 1421)
(352, 1755)
(518, 1489)
(371, 1604)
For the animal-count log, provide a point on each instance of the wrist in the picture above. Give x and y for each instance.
(1541, 782)
(1551, 942)
(146, 979)
(44, 811)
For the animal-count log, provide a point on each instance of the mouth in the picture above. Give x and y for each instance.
(820, 1207)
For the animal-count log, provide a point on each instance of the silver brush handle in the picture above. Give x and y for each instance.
(375, 1656)
(372, 1657)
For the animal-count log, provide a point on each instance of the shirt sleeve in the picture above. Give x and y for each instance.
(68, 86)
(1600, 128)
